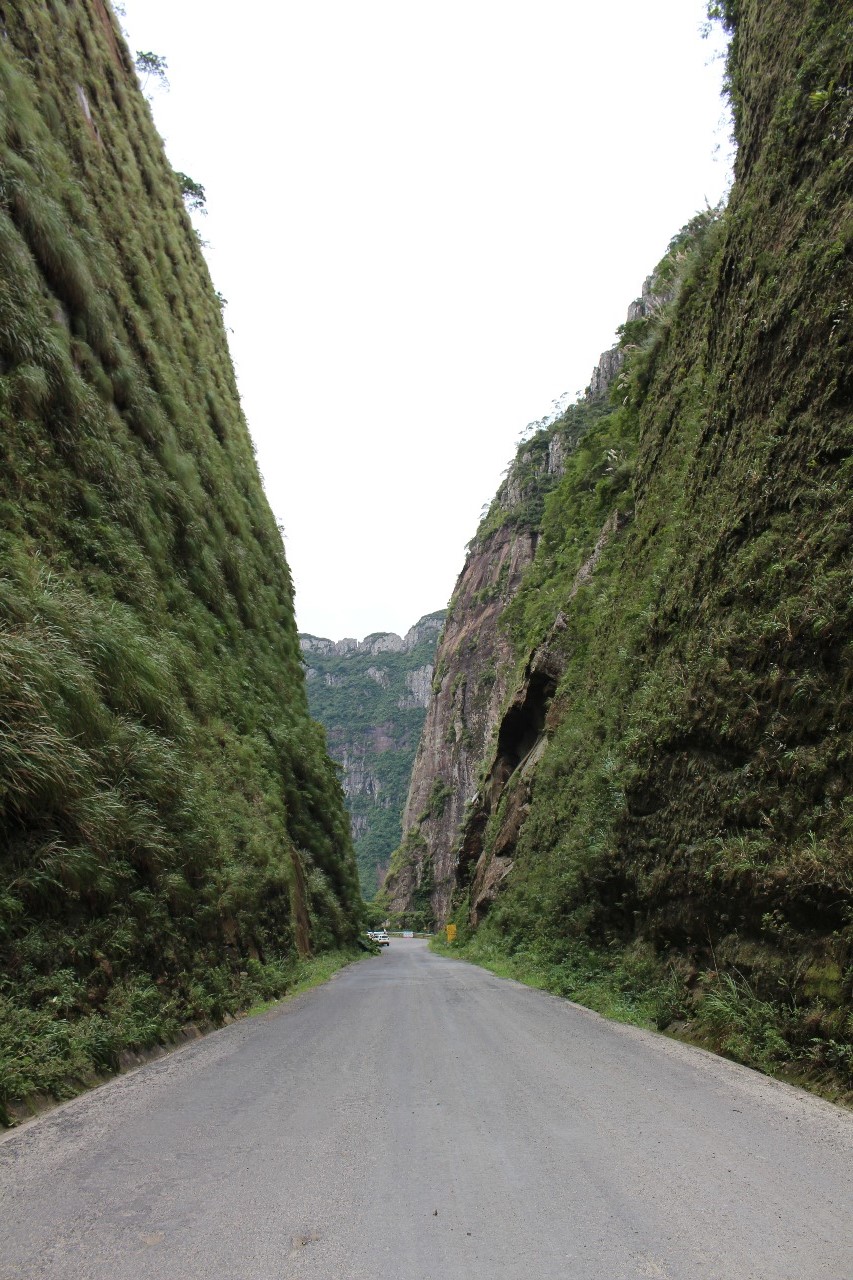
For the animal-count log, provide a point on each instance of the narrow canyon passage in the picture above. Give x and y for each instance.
(420, 1118)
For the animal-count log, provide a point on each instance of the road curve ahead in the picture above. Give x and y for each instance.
(421, 1119)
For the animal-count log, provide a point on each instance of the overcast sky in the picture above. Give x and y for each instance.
(428, 220)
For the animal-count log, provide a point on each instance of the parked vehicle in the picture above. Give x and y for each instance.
(380, 936)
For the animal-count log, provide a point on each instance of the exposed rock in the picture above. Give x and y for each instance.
(609, 364)
(474, 665)
(358, 775)
(519, 746)
(467, 694)
(382, 642)
(426, 629)
(315, 644)
(419, 685)
(381, 677)
(650, 301)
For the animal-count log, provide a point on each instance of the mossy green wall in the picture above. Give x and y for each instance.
(696, 792)
(164, 795)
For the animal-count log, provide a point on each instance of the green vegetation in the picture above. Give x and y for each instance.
(719, 1011)
(192, 192)
(409, 859)
(521, 499)
(48, 1052)
(172, 829)
(305, 974)
(686, 857)
(152, 66)
(438, 798)
(373, 723)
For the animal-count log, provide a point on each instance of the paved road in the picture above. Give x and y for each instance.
(420, 1119)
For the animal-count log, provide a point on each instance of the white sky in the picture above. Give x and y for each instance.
(428, 220)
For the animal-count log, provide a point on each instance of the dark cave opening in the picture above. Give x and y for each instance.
(524, 721)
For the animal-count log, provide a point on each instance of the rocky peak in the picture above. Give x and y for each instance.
(609, 364)
(382, 642)
(650, 301)
(316, 644)
(425, 629)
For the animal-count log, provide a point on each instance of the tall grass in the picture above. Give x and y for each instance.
(160, 777)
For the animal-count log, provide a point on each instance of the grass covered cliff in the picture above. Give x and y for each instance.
(663, 818)
(172, 831)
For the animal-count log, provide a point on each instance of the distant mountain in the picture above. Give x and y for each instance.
(371, 697)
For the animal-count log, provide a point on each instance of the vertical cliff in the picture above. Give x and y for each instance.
(371, 698)
(475, 659)
(172, 831)
(473, 664)
(664, 805)
(466, 695)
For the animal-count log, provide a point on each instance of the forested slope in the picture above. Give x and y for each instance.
(172, 831)
(663, 818)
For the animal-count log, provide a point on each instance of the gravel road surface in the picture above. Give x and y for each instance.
(420, 1119)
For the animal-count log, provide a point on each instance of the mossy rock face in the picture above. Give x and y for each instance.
(696, 789)
(170, 821)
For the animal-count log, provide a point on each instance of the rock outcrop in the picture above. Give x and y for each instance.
(515, 751)
(467, 690)
(475, 660)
